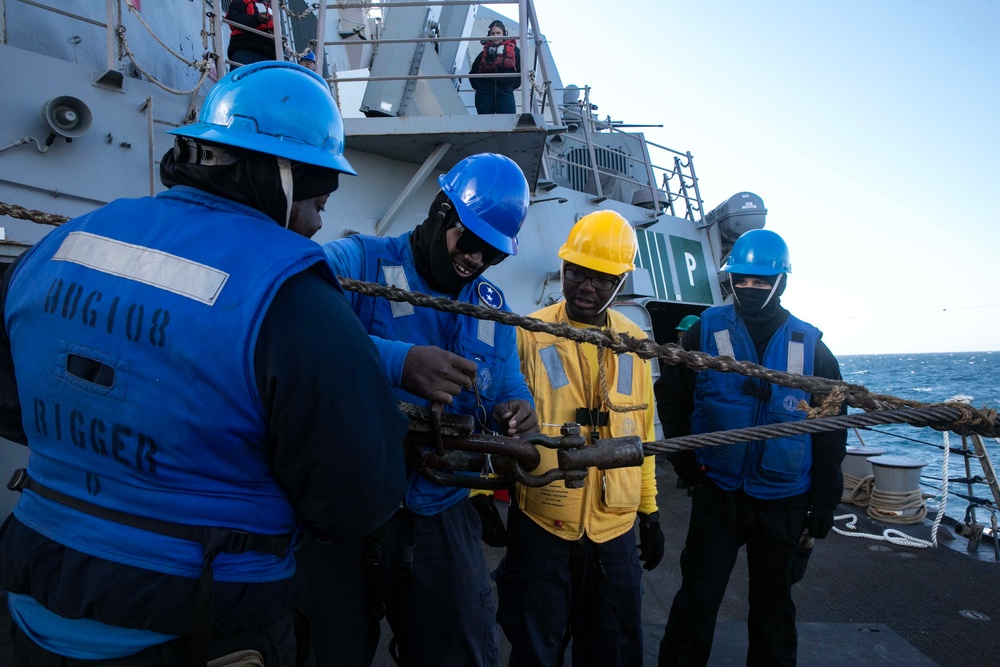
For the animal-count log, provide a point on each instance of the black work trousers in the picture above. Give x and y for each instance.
(432, 584)
(338, 602)
(547, 584)
(720, 524)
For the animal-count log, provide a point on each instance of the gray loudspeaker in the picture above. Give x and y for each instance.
(67, 116)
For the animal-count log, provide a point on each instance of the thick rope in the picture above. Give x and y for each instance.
(206, 33)
(123, 48)
(857, 490)
(605, 395)
(891, 535)
(939, 416)
(880, 408)
(310, 9)
(201, 65)
(21, 213)
(926, 416)
(890, 506)
(298, 56)
(534, 85)
(960, 417)
(138, 17)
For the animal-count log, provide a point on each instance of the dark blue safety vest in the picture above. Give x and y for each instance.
(766, 469)
(133, 331)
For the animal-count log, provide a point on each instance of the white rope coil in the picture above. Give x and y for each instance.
(900, 507)
(857, 490)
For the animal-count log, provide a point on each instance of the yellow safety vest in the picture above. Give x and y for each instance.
(560, 376)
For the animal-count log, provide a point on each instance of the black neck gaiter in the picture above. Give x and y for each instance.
(253, 180)
(430, 251)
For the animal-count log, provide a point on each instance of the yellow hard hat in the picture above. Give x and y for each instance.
(601, 241)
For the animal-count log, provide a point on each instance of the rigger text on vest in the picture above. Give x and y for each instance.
(116, 441)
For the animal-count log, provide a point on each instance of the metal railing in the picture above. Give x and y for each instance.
(672, 187)
(520, 38)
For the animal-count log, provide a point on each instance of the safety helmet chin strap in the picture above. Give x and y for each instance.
(285, 172)
(774, 288)
(614, 293)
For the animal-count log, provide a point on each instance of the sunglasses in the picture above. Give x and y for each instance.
(470, 244)
(579, 277)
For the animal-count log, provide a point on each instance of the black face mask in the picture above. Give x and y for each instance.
(761, 321)
(750, 303)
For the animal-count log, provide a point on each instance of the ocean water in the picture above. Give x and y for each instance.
(930, 378)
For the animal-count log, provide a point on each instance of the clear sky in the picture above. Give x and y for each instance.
(869, 128)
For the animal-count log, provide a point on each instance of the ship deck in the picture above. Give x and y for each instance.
(861, 602)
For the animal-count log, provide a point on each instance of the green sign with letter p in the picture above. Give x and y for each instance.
(692, 273)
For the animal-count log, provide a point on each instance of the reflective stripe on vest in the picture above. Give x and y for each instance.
(395, 276)
(145, 265)
(486, 331)
(796, 357)
(625, 362)
(724, 344)
(553, 367)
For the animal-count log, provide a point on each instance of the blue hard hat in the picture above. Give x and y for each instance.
(490, 195)
(276, 108)
(309, 55)
(759, 252)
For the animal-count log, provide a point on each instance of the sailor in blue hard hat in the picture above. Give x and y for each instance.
(774, 496)
(758, 262)
(230, 424)
(433, 544)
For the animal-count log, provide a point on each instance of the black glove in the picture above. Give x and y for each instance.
(494, 532)
(650, 540)
(687, 467)
(819, 521)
